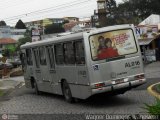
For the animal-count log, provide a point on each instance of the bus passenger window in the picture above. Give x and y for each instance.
(36, 56)
(42, 56)
(80, 57)
(59, 54)
(51, 56)
(69, 53)
(29, 57)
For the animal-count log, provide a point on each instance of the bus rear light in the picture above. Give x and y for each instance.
(139, 77)
(99, 85)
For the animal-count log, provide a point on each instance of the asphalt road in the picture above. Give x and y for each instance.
(23, 101)
(149, 82)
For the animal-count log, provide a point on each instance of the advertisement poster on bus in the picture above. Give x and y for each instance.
(112, 44)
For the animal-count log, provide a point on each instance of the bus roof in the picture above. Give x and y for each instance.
(75, 36)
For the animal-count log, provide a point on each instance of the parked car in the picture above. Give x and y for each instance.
(7, 65)
(16, 62)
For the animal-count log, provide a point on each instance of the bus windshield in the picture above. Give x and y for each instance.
(112, 44)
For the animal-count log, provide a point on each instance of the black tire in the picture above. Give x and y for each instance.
(67, 92)
(36, 88)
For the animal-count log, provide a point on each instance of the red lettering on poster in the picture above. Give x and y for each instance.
(120, 39)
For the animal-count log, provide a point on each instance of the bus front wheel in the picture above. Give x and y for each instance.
(67, 92)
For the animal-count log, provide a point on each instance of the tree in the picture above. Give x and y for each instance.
(24, 40)
(125, 14)
(144, 8)
(111, 7)
(66, 21)
(2, 23)
(54, 28)
(9, 50)
(134, 11)
(130, 11)
(20, 25)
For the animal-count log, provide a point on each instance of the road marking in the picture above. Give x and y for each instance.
(152, 92)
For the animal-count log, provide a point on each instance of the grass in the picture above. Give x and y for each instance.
(158, 87)
(153, 109)
(1, 93)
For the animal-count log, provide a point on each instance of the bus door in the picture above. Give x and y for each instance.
(51, 66)
(23, 61)
(29, 69)
(45, 75)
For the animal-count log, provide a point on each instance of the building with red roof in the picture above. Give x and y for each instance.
(4, 41)
(7, 43)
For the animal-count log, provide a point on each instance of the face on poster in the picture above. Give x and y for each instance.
(112, 44)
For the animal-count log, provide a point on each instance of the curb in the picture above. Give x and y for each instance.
(152, 92)
(11, 88)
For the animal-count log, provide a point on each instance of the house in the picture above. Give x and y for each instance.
(5, 32)
(151, 20)
(69, 26)
(71, 19)
(8, 32)
(7, 43)
(16, 34)
(149, 37)
(85, 24)
(75, 26)
(43, 22)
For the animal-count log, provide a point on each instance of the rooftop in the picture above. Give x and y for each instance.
(7, 41)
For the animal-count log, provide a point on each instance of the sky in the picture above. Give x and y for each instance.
(13, 10)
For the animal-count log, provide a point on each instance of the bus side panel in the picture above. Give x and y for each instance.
(77, 78)
(82, 88)
(67, 73)
(57, 89)
(82, 75)
(80, 91)
(88, 58)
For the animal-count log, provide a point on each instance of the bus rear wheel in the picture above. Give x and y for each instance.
(67, 92)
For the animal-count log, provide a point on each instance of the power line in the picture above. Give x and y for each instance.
(47, 9)
(72, 10)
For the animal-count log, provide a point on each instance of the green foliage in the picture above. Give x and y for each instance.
(54, 28)
(1, 93)
(2, 23)
(6, 53)
(153, 109)
(9, 50)
(20, 25)
(22, 41)
(158, 87)
(131, 11)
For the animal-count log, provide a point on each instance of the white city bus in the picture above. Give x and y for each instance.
(104, 60)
